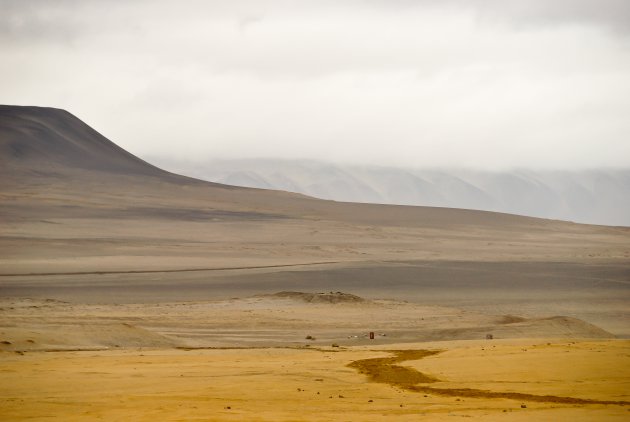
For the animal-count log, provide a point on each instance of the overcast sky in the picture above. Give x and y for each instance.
(488, 84)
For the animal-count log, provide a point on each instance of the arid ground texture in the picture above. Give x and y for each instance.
(130, 293)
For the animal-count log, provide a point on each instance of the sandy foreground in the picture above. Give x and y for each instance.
(317, 384)
(250, 359)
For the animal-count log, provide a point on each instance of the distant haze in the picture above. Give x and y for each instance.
(489, 84)
(583, 196)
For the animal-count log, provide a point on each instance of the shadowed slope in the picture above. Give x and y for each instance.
(43, 141)
(41, 147)
(38, 136)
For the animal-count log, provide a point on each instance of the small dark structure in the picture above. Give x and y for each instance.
(371, 335)
(489, 336)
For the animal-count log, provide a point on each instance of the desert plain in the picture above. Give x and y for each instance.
(130, 293)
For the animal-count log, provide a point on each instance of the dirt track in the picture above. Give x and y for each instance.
(384, 370)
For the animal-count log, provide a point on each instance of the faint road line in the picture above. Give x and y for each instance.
(183, 270)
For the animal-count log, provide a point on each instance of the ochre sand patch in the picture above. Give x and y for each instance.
(283, 384)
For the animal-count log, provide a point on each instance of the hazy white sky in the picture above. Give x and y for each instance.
(488, 83)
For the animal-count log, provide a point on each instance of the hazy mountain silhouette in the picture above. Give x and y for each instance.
(588, 196)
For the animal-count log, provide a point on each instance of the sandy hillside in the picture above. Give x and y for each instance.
(75, 202)
(85, 221)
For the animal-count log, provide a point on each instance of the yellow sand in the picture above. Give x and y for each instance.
(283, 384)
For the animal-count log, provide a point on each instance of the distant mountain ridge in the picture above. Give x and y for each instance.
(44, 150)
(586, 196)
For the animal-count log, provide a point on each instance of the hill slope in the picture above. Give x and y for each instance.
(40, 142)
(81, 219)
(35, 137)
(62, 178)
(52, 151)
